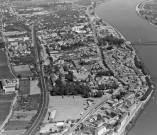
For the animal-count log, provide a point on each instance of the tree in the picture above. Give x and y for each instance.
(65, 68)
(58, 82)
(19, 76)
(70, 76)
(47, 51)
(2, 45)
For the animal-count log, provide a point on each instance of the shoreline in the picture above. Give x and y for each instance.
(139, 7)
(146, 102)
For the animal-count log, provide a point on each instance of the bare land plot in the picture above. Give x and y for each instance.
(23, 70)
(6, 97)
(13, 132)
(4, 110)
(34, 88)
(23, 115)
(68, 107)
(16, 125)
(24, 87)
(30, 102)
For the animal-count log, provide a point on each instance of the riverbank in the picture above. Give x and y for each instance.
(140, 7)
(134, 120)
(120, 35)
(142, 105)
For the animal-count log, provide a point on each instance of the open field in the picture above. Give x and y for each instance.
(13, 132)
(16, 125)
(24, 87)
(4, 69)
(23, 115)
(6, 97)
(27, 103)
(34, 88)
(5, 102)
(22, 70)
(68, 107)
(4, 110)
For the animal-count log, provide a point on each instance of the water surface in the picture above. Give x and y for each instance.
(121, 14)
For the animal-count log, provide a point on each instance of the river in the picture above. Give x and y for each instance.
(121, 15)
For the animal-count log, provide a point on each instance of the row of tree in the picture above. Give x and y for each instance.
(70, 89)
(111, 40)
(72, 46)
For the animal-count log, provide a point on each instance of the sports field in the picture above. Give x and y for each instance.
(69, 107)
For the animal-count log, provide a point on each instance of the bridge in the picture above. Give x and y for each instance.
(153, 78)
(144, 43)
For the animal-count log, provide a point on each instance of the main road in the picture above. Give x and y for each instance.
(44, 95)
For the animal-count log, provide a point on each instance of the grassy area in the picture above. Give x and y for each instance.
(13, 132)
(22, 70)
(5, 102)
(4, 69)
(28, 103)
(24, 87)
(16, 125)
(69, 107)
(34, 101)
(4, 110)
(6, 96)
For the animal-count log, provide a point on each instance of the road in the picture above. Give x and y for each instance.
(44, 95)
(88, 114)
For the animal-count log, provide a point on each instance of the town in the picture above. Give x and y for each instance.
(93, 81)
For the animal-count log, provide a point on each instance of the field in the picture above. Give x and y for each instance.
(5, 102)
(68, 107)
(6, 96)
(16, 125)
(4, 69)
(4, 110)
(24, 87)
(22, 70)
(13, 132)
(28, 103)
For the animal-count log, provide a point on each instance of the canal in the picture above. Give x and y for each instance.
(121, 15)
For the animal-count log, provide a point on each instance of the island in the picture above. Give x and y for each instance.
(148, 11)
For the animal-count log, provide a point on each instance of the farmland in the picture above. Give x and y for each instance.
(5, 102)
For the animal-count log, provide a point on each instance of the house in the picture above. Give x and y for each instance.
(100, 131)
(52, 115)
(81, 75)
(9, 85)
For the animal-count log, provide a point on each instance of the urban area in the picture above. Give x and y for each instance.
(68, 72)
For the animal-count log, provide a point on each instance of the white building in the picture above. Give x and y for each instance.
(52, 115)
(100, 131)
(10, 85)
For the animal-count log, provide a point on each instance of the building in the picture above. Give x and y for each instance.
(9, 85)
(100, 131)
(52, 115)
